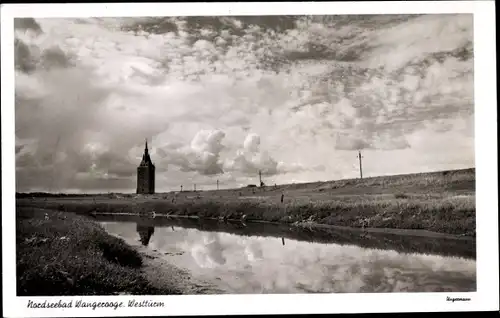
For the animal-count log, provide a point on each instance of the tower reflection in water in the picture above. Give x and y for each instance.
(145, 233)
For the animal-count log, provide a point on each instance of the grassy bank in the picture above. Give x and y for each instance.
(66, 254)
(442, 202)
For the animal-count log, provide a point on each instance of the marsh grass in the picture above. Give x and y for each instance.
(452, 215)
(442, 202)
(60, 253)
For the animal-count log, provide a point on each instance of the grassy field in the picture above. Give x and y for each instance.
(62, 253)
(442, 202)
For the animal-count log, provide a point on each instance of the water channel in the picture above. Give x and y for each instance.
(266, 258)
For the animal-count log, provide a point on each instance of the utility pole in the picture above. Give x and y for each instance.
(360, 165)
(195, 187)
(217, 184)
(181, 187)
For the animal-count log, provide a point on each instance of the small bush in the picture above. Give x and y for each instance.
(401, 196)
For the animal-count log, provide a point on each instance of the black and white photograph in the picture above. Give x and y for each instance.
(277, 155)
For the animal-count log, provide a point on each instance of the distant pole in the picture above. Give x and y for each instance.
(360, 164)
(195, 187)
(217, 184)
(181, 187)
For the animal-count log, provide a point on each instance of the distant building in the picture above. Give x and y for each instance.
(146, 174)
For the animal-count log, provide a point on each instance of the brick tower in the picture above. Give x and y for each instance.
(146, 174)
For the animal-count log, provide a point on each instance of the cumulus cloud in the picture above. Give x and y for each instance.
(225, 97)
(209, 252)
(27, 25)
(29, 56)
(251, 159)
(254, 253)
(202, 155)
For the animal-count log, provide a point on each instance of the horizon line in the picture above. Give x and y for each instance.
(266, 186)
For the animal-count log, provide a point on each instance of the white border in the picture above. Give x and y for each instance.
(486, 297)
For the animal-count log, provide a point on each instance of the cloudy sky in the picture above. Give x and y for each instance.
(224, 97)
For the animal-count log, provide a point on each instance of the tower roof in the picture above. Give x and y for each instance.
(146, 159)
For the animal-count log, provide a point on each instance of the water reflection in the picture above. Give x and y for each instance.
(257, 264)
(145, 233)
(461, 247)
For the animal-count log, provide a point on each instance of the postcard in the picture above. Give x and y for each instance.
(248, 158)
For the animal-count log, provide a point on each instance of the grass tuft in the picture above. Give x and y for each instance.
(60, 253)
